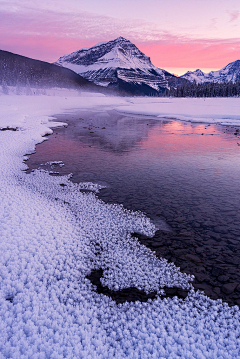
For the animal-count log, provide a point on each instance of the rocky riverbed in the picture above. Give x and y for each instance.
(214, 264)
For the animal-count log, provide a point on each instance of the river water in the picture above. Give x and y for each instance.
(186, 175)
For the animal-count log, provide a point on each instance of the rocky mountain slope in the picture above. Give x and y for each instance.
(121, 65)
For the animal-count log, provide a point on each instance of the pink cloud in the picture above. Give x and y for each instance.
(234, 15)
(47, 35)
(45, 48)
(192, 54)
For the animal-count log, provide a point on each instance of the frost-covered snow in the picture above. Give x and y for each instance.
(49, 234)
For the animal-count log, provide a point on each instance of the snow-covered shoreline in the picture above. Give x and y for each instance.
(48, 238)
(223, 111)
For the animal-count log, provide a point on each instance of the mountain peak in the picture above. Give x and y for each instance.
(120, 64)
(199, 72)
(119, 53)
(230, 72)
(120, 38)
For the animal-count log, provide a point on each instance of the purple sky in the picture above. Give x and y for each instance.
(178, 35)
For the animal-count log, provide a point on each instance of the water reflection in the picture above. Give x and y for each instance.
(185, 174)
(111, 131)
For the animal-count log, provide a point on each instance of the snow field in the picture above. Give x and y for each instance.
(48, 236)
(224, 111)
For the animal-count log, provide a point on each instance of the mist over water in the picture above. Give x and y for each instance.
(185, 177)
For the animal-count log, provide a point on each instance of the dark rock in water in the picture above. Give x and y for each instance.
(235, 260)
(217, 290)
(179, 252)
(193, 258)
(223, 278)
(221, 229)
(229, 288)
(215, 236)
(206, 287)
(216, 271)
(201, 277)
(156, 245)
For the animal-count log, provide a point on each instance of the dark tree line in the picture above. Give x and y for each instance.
(212, 89)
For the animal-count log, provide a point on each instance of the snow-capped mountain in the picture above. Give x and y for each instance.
(231, 72)
(198, 75)
(119, 64)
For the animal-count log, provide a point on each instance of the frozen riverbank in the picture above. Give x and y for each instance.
(52, 236)
(225, 111)
(181, 174)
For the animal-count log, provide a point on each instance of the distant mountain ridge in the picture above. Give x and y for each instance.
(231, 72)
(121, 65)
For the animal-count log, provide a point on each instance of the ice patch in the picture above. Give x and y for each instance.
(55, 163)
(160, 224)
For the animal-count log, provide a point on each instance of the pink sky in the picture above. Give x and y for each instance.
(177, 35)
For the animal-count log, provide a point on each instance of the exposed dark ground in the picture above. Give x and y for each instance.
(131, 294)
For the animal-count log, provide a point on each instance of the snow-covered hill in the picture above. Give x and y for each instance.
(119, 64)
(231, 72)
